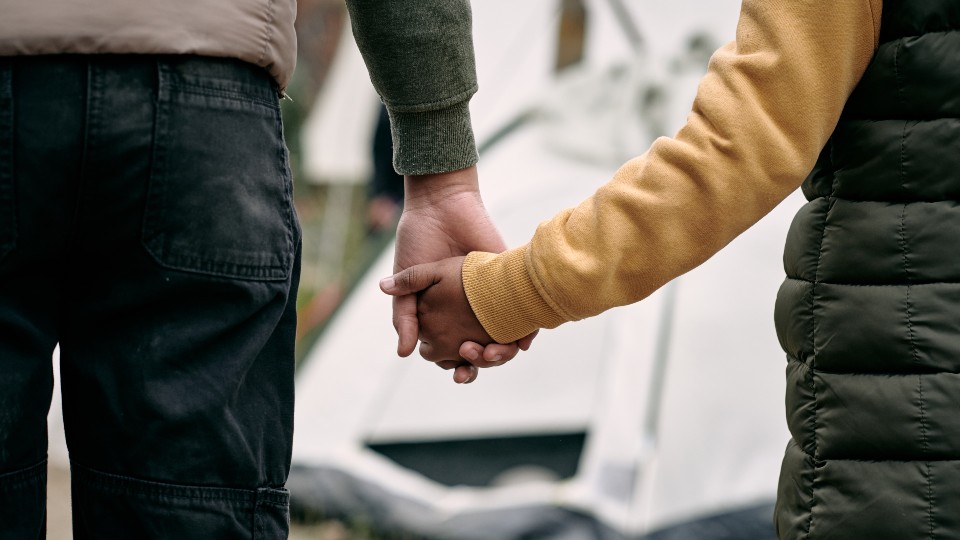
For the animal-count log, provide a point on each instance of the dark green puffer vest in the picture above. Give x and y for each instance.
(869, 314)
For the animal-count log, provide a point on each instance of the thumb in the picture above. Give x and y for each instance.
(410, 280)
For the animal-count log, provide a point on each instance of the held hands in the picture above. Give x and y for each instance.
(446, 319)
(443, 217)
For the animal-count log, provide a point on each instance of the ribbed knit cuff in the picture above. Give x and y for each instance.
(434, 141)
(503, 297)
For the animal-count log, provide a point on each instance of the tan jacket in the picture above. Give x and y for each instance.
(256, 31)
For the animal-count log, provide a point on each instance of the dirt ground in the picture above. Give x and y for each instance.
(58, 514)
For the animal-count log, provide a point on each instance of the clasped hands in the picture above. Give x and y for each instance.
(443, 219)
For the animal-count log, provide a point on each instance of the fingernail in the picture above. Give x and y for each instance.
(497, 358)
(471, 354)
(387, 283)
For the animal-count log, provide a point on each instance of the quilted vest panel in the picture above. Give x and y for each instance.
(869, 314)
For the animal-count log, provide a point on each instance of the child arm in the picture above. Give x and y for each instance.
(763, 112)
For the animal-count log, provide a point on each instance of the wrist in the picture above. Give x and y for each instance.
(429, 190)
(503, 297)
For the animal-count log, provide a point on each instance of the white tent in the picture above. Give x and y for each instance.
(646, 417)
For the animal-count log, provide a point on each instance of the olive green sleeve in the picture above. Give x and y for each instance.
(420, 57)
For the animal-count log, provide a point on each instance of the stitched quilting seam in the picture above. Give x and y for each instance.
(813, 361)
(896, 72)
(841, 284)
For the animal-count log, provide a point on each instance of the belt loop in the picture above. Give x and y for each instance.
(156, 61)
(6, 104)
(6, 80)
(8, 219)
(162, 76)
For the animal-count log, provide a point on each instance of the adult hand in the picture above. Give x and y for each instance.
(443, 216)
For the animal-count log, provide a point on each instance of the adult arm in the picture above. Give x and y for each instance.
(420, 57)
(419, 54)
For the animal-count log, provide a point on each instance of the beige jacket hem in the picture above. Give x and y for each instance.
(257, 31)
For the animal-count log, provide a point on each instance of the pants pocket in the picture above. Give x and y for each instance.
(220, 194)
(23, 502)
(8, 211)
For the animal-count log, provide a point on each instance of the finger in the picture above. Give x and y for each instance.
(448, 364)
(490, 356)
(426, 352)
(465, 373)
(437, 355)
(496, 354)
(409, 280)
(472, 352)
(406, 324)
(525, 342)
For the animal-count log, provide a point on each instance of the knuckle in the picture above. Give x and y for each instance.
(427, 351)
(408, 278)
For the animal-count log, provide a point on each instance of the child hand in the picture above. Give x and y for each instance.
(445, 318)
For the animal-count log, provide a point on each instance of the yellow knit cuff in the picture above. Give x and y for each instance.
(503, 297)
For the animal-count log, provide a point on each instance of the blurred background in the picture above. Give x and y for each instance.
(662, 420)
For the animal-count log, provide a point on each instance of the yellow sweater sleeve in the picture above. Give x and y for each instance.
(764, 110)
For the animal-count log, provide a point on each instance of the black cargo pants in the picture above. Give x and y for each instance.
(147, 225)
